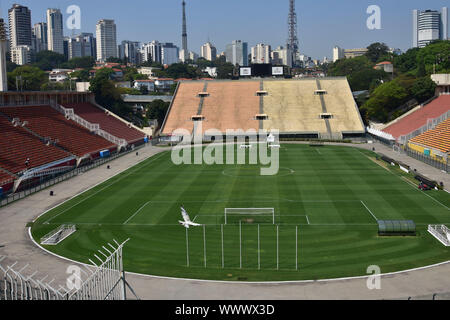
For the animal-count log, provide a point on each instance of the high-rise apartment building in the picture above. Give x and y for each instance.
(282, 56)
(208, 51)
(429, 25)
(106, 40)
(237, 53)
(19, 26)
(261, 53)
(3, 50)
(151, 52)
(169, 53)
(82, 45)
(40, 37)
(129, 51)
(55, 34)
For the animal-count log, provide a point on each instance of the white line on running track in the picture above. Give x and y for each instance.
(109, 185)
(135, 214)
(369, 211)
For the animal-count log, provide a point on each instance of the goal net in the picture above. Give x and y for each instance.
(250, 215)
(440, 232)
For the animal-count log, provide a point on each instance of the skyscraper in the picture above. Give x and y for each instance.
(55, 31)
(184, 35)
(129, 51)
(19, 26)
(3, 49)
(429, 25)
(81, 46)
(208, 51)
(40, 37)
(151, 52)
(237, 53)
(261, 53)
(169, 53)
(106, 40)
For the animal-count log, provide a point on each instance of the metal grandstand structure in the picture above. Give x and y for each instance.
(104, 280)
(431, 124)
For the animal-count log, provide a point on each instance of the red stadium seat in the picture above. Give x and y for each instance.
(108, 123)
(49, 123)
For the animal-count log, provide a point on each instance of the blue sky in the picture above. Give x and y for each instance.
(322, 24)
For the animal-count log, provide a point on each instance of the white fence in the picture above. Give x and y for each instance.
(70, 114)
(104, 281)
(431, 124)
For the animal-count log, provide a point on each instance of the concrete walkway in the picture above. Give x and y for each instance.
(16, 245)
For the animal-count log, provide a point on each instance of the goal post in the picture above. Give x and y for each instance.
(249, 215)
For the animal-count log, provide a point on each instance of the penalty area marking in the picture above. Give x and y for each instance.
(136, 213)
(136, 168)
(376, 219)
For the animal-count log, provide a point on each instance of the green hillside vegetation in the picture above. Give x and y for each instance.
(390, 94)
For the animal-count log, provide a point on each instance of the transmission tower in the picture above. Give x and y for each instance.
(293, 43)
(184, 33)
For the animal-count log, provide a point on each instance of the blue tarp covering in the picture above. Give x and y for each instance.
(105, 154)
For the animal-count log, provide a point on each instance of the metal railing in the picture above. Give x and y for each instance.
(443, 165)
(93, 127)
(431, 124)
(31, 187)
(105, 280)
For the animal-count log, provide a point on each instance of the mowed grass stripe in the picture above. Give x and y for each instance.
(330, 188)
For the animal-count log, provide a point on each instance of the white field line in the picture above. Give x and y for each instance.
(88, 197)
(136, 213)
(410, 184)
(212, 225)
(369, 211)
(237, 282)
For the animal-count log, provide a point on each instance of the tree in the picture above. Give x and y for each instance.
(386, 98)
(359, 71)
(114, 60)
(225, 71)
(423, 89)
(406, 62)
(158, 110)
(376, 51)
(132, 74)
(81, 75)
(32, 78)
(49, 60)
(105, 92)
(79, 62)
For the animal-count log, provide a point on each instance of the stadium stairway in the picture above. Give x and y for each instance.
(50, 124)
(107, 122)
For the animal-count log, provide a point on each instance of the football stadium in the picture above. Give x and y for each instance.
(331, 210)
(260, 182)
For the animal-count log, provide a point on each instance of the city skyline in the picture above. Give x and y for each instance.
(317, 35)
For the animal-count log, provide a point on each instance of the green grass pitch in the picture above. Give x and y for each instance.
(332, 196)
